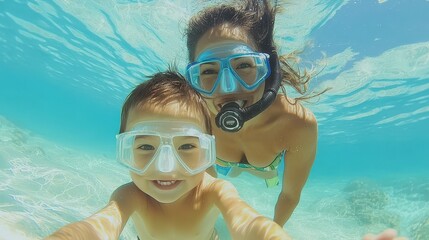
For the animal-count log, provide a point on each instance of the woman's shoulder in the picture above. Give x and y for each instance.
(296, 121)
(294, 111)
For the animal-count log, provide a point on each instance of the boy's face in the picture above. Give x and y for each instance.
(164, 186)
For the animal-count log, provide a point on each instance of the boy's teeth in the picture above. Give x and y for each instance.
(165, 183)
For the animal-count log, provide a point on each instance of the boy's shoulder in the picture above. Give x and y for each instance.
(216, 186)
(129, 195)
(209, 181)
(127, 188)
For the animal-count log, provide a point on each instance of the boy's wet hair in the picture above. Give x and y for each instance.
(162, 89)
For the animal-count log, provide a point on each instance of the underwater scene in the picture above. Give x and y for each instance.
(66, 68)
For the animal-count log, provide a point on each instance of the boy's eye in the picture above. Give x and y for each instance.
(146, 147)
(186, 146)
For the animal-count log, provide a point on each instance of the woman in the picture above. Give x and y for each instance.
(234, 64)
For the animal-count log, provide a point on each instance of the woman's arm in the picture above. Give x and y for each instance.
(243, 221)
(300, 155)
(107, 223)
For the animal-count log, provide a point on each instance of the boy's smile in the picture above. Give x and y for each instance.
(166, 184)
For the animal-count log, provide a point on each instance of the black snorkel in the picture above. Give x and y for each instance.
(232, 117)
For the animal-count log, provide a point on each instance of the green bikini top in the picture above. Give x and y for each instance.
(223, 167)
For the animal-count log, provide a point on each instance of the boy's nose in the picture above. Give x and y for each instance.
(166, 161)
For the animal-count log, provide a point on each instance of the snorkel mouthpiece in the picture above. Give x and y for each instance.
(232, 117)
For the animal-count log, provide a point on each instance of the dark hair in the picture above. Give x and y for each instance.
(162, 89)
(257, 18)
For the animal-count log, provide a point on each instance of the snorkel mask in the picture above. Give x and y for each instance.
(166, 147)
(231, 68)
(228, 68)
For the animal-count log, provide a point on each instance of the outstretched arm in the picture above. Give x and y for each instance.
(243, 221)
(105, 224)
(299, 159)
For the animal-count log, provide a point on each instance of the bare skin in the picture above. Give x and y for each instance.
(282, 126)
(388, 234)
(187, 211)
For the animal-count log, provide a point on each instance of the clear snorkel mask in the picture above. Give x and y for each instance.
(166, 147)
(216, 73)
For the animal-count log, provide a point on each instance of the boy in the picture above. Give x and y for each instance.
(164, 141)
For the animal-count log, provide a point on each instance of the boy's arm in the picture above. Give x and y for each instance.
(243, 221)
(107, 223)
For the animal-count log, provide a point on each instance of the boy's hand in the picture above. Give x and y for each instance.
(388, 234)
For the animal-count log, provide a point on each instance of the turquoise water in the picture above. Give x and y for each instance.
(66, 67)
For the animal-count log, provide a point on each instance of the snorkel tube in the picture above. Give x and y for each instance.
(232, 117)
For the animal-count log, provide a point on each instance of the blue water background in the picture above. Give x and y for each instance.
(66, 67)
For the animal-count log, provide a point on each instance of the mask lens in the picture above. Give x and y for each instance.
(144, 149)
(204, 75)
(192, 151)
(251, 69)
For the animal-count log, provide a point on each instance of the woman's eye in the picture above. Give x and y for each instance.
(244, 65)
(186, 146)
(209, 71)
(146, 147)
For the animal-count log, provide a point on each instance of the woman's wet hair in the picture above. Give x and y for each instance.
(162, 89)
(256, 18)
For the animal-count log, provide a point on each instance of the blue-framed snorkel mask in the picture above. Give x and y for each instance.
(165, 147)
(228, 68)
(232, 117)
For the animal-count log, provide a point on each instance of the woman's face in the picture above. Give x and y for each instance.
(222, 35)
